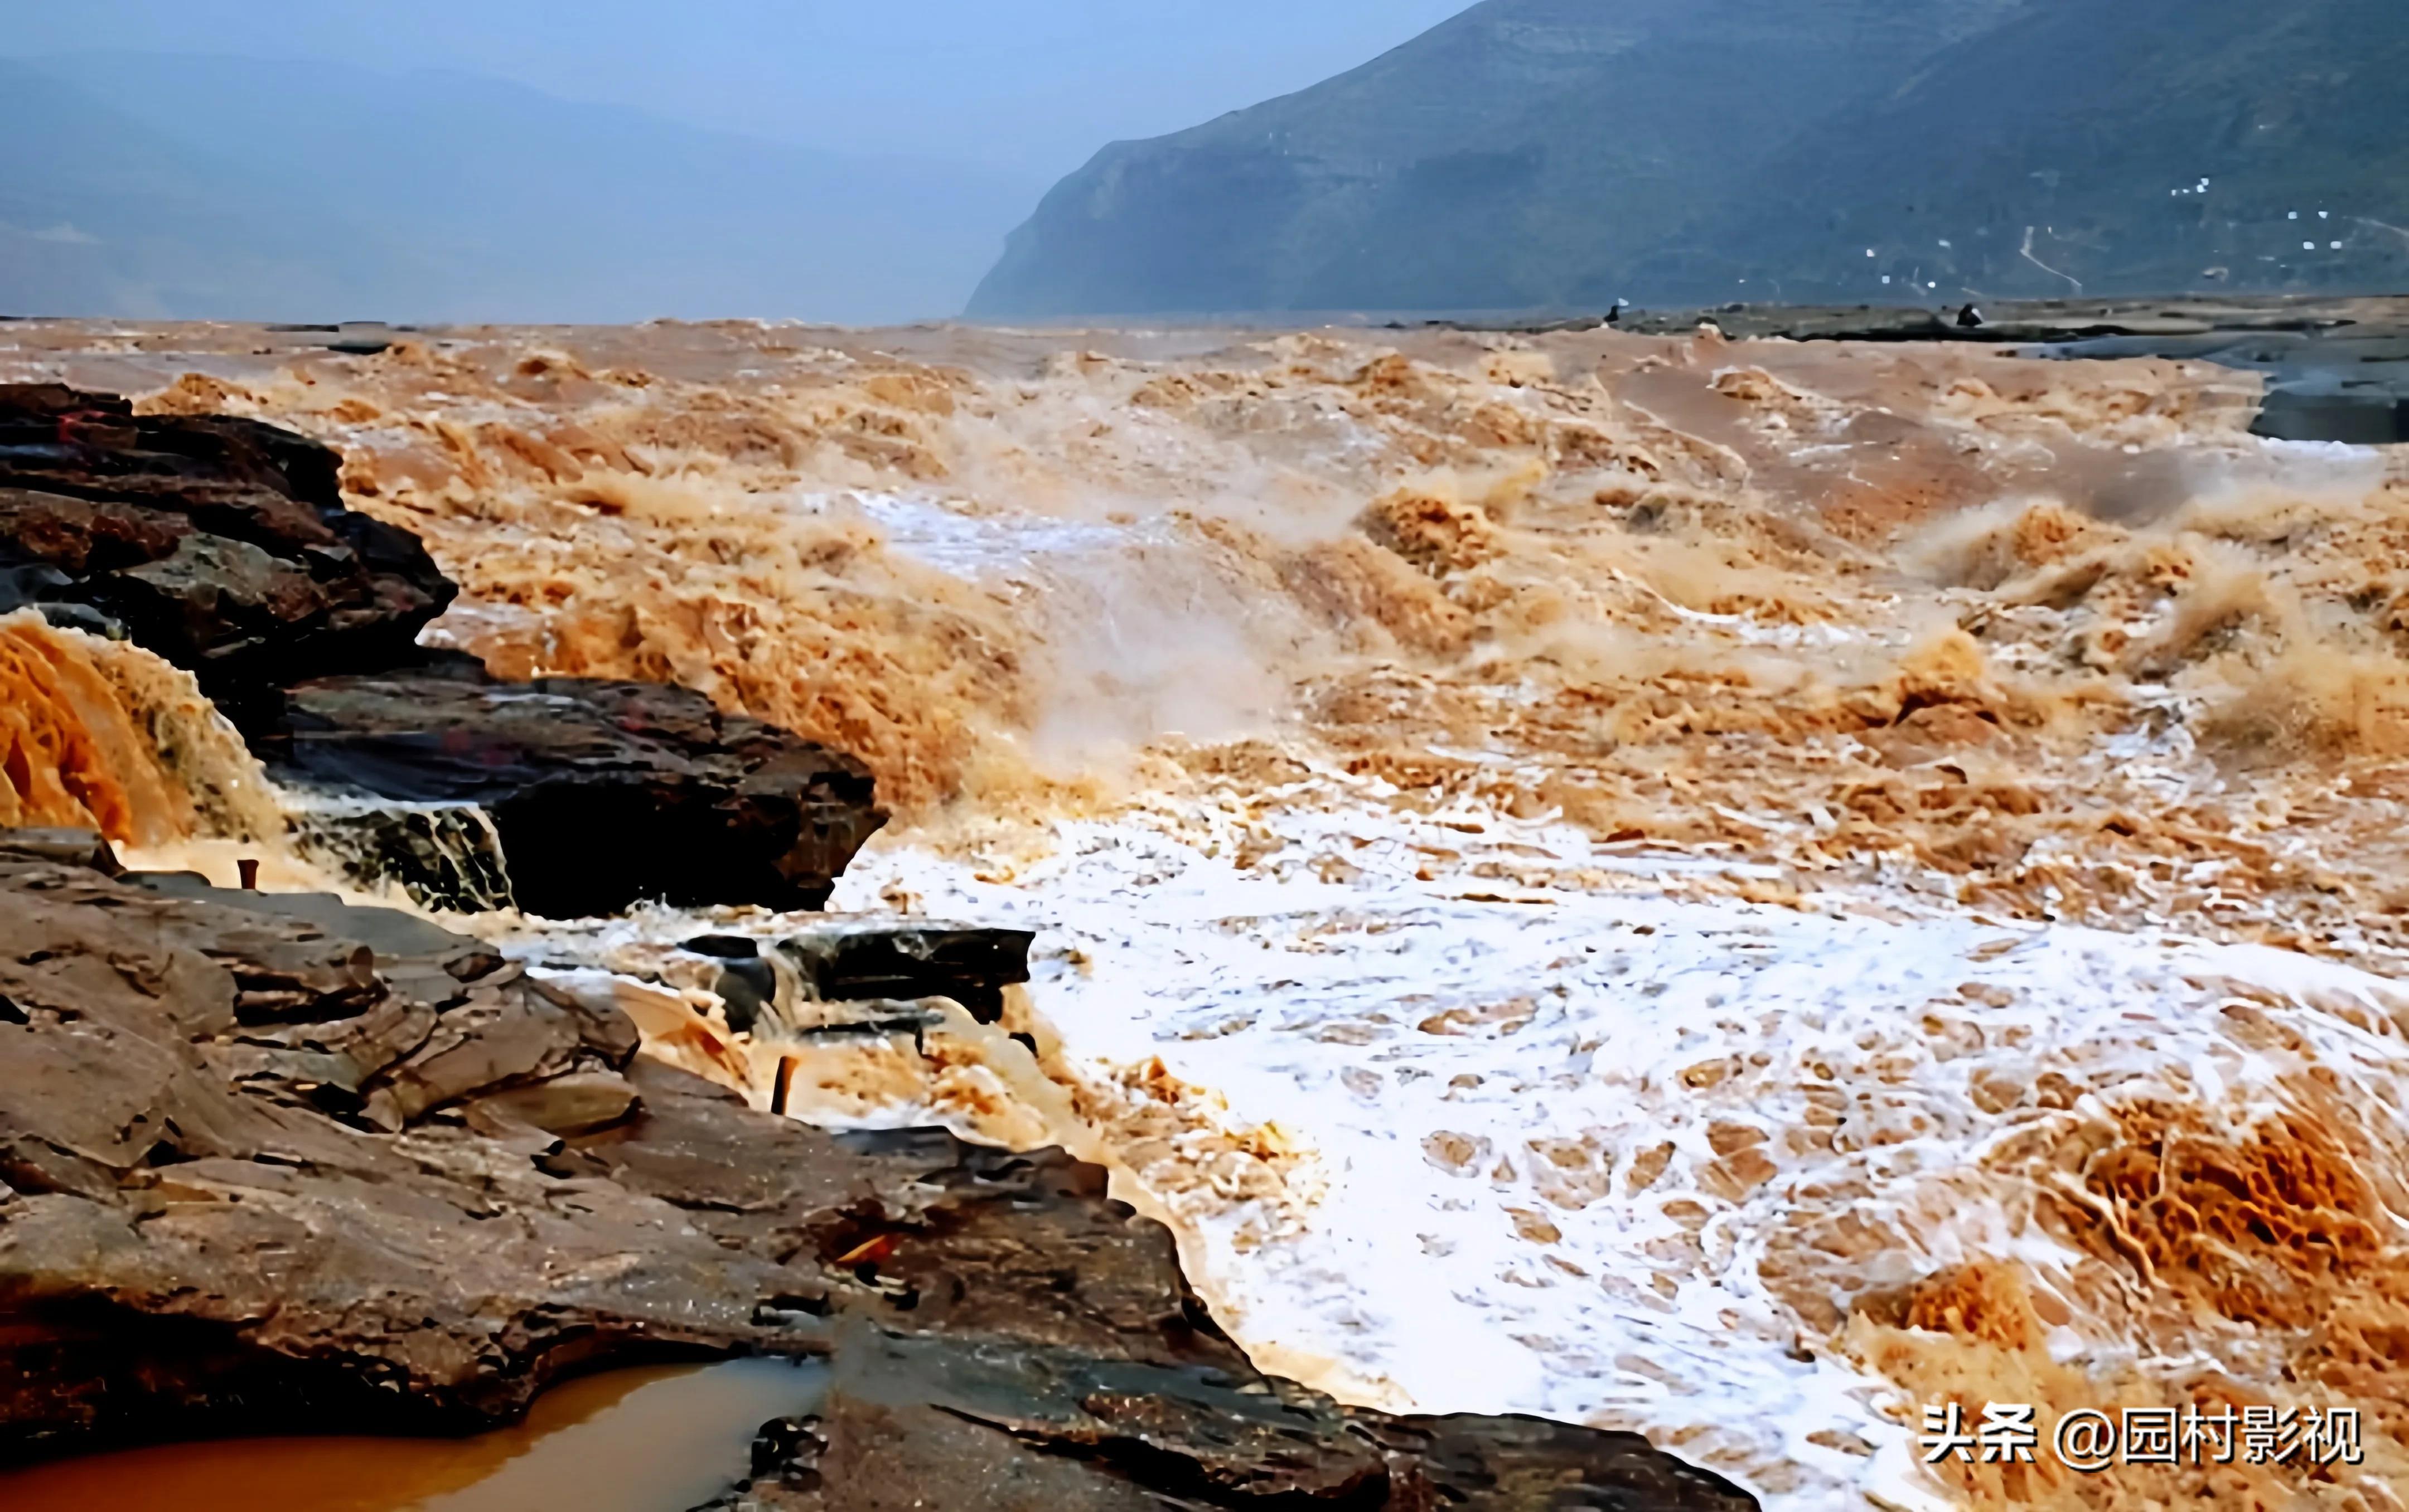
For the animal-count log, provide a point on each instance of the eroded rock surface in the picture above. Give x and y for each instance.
(1014, 1428)
(277, 1164)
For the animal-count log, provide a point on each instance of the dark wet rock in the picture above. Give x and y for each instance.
(39, 585)
(223, 545)
(1033, 1429)
(603, 793)
(856, 959)
(2368, 412)
(786, 1455)
(747, 984)
(747, 989)
(220, 543)
(865, 975)
(202, 1230)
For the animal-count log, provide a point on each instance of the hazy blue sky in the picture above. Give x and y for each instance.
(1034, 86)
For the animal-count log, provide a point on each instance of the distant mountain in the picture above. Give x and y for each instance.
(2140, 147)
(175, 185)
(1559, 155)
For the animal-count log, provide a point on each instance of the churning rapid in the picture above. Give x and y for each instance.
(1730, 890)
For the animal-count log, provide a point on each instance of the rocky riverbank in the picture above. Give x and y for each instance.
(2336, 368)
(273, 1164)
(223, 545)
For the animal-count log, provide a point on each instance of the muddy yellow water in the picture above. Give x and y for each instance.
(1559, 855)
(655, 1440)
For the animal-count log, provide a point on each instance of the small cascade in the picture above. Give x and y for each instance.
(70, 754)
(101, 734)
(180, 730)
(446, 858)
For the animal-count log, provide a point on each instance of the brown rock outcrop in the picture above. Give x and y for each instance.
(220, 543)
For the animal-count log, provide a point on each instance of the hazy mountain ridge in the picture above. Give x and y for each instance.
(2101, 124)
(1563, 154)
(295, 191)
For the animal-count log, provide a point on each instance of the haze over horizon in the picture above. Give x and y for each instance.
(1035, 89)
(292, 161)
(1068, 161)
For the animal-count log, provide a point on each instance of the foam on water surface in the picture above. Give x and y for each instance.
(1564, 1153)
(1618, 960)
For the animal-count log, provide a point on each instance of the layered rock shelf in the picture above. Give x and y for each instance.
(601, 793)
(220, 543)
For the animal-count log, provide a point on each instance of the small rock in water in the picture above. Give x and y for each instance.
(853, 960)
(746, 989)
(723, 947)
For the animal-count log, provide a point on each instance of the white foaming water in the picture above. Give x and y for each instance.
(1547, 1136)
(1522, 1123)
